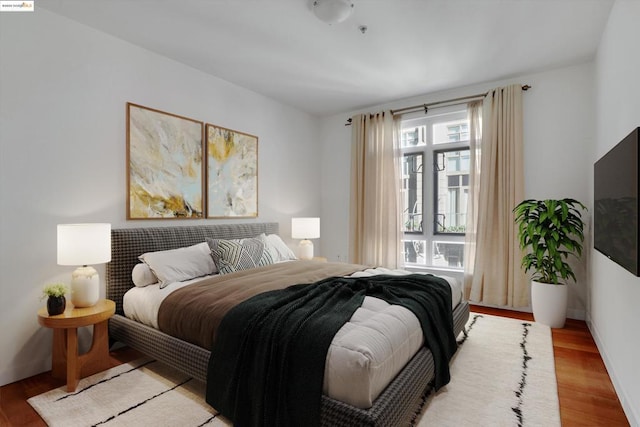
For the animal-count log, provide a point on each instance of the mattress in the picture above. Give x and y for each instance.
(366, 353)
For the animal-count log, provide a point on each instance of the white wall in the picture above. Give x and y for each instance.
(558, 134)
(63, 91)
(614, 292)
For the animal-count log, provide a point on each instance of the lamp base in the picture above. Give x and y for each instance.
(85, 286)
(306, 249)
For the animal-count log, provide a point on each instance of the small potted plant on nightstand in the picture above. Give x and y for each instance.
(551, 230)
(56, 301)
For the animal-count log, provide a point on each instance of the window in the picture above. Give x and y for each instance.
(435, 188)
(451, 190)
(412, 182)
(412, 137)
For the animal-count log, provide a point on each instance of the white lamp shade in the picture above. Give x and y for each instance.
(332, 11)
(305, 228)
(84, 244)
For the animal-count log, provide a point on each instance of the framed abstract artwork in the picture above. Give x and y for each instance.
(165, 165)
(232, 173)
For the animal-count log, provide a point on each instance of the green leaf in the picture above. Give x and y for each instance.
(552, 230)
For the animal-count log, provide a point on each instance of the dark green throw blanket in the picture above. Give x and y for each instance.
(267, 362)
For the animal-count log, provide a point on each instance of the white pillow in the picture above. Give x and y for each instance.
(278, 249)
(180, 264)
(142, 275)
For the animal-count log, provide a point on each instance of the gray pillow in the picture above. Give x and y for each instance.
(180, 264)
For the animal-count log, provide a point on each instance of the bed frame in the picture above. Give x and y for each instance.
(395, 406)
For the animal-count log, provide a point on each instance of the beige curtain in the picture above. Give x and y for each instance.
(375, 213)
(492, 272)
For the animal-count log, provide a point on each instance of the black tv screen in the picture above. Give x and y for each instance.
(615, 197)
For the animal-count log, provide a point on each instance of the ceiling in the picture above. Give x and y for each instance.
(278, 48)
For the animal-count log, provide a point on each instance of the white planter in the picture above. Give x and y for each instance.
(549, 303)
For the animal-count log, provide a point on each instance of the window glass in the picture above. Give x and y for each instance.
(447, 254)
(451, 131)
(449, 189)
(413, 136)
(414, 251)
(412, 194)
(435, 187)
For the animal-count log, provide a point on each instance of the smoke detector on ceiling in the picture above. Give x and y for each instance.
(332, 11)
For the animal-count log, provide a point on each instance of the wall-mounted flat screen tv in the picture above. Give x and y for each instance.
(615, 197)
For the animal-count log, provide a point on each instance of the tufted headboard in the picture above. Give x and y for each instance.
(127, 244)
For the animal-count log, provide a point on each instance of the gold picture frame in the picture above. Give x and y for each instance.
(232, 173)
(165, 165)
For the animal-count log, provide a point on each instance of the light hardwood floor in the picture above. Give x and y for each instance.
(587, 397)
(585, 391)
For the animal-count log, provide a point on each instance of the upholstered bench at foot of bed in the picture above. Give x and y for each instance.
(398, 403)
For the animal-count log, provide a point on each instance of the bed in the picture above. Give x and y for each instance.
(395, 405)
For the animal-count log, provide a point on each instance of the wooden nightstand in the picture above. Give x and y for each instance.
(66, 363)
(319, 259)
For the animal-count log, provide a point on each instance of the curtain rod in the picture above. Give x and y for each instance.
(425, 107)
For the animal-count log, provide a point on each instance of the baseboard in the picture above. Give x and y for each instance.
(632, 414)
(502, 307)
(18, 373)
(572, 313)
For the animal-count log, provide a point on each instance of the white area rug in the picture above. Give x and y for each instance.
(503, 375)
(140, 393)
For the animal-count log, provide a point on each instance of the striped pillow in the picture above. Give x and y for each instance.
(239, 254)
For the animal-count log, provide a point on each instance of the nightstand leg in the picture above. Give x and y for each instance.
(59, 359)
(73, 365)
(97, 358)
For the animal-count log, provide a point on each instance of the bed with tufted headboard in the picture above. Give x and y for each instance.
(394, 406)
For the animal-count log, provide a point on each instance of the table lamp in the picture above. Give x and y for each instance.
(84, 244)
(305, 229)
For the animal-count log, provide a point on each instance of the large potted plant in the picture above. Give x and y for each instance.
(550, 231)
